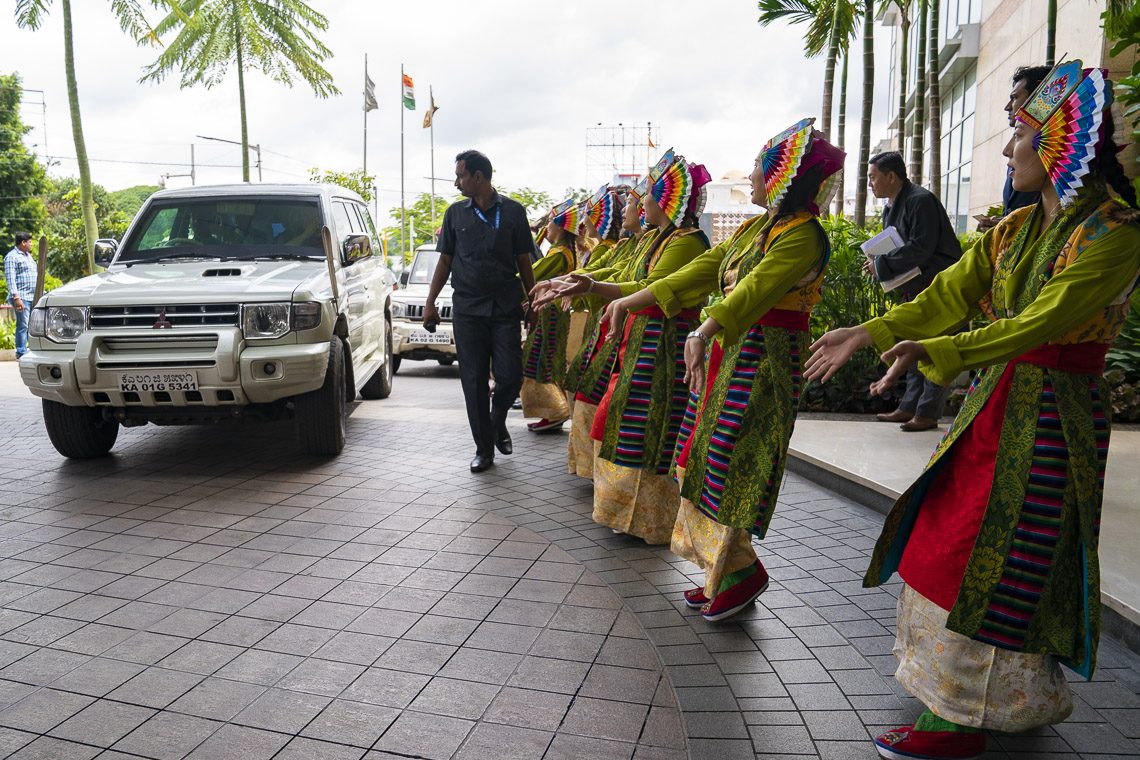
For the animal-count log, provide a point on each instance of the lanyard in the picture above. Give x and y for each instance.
(498, 215)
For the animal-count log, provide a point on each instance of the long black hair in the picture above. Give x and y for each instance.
(801, 194)
(1107, 165)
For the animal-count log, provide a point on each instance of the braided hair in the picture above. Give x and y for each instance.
(801, 193)
(1108, 166)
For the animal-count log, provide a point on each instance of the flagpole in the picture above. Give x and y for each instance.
(431, 125)
(364, 169)
(403, 210)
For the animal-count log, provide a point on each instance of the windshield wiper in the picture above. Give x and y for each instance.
(164, 257)
(278, 256)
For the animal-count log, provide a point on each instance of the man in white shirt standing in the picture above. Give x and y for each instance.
(20, 275)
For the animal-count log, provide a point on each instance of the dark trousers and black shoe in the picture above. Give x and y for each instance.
(921, 404)
(485, 345)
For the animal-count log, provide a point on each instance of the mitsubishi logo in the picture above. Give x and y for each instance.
(162, 323)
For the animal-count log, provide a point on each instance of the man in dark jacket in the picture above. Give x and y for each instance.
(930, 245)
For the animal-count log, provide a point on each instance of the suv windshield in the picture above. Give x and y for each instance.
(227, 228)
(423, 267)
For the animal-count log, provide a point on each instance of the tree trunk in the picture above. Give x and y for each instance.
(829, 71)
(86, 200)
(918, 134)
(841, 138)
(241, 101)
(868, 104)
(1051, 33)
(904, 70)
(934, 103)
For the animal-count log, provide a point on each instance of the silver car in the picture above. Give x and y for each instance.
(412, 341)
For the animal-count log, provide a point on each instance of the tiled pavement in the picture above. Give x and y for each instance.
(210, 593)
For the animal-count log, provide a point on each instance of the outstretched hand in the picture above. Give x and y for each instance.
(904, 355)
(833, 350)
(614, 316)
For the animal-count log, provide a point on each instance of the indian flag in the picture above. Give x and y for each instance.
(409, 93)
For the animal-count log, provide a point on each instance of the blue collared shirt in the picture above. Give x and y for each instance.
(20, 274)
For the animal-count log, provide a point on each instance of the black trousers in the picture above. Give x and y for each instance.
(923, 398)
(486, 345)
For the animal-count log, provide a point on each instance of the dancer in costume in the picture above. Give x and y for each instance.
(997, 540)
(588, 373)
(544, 353)
(735, 434)
(637, 421)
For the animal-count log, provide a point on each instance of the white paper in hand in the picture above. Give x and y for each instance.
(887, 241)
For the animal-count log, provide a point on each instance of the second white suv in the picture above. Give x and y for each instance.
(410, 339)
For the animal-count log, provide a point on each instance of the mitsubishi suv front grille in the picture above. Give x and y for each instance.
(172, 316)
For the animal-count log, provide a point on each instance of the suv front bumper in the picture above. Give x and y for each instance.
(405, 340)
(229, 372)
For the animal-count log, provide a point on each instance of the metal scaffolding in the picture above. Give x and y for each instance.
(621, 149)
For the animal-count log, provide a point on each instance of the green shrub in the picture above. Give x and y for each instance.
(51, 282)
(850, 297)
(1122, 368)
(7, 334)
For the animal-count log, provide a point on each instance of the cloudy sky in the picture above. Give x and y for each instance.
(518, 79)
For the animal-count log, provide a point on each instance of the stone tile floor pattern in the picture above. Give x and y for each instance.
(210, 593)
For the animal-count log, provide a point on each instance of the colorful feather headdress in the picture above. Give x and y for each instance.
(1067, 110)
(781, 158)
(671, 185)
(567, 215)
(604, 211)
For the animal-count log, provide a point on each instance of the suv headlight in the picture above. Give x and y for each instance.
(399, 310)
(265, 320)
(306, 315)
(59, 324)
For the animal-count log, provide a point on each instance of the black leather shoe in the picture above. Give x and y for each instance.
(481, 463)
(503, 443)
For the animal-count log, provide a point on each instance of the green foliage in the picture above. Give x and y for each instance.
(850, 297)
(419, 229)
(536, 202)
(1122, 27)
(7, 334)
(1122, 368)
(820, 16)
(67, 243)
(51, 282)
(22, 178)
(356, 181)
(130, 199)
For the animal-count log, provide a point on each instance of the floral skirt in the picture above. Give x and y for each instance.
(635, 501)
(971, 683)
(718, 550)
(580, 448)
(544, 400)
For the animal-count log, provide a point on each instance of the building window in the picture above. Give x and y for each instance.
(958, 146)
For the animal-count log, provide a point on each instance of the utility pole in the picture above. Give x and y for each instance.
(256, 148)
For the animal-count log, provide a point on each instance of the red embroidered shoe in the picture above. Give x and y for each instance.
(695, 598)
(735, 598)
(907, 744)
(544, 424)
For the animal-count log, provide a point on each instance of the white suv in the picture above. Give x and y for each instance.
(221, 303)
(412, 341)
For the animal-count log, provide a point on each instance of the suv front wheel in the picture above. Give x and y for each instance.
(79, 432)
(320, 414)
(380, 384)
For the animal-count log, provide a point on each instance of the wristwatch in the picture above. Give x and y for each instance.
(699, 336)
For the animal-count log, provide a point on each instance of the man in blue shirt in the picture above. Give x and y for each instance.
(20, 274)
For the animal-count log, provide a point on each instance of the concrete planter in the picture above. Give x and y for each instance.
(7, 354)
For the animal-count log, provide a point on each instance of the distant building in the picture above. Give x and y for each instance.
(728, 204)
(981, 44)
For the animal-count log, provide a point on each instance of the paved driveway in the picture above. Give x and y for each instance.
(210, 592)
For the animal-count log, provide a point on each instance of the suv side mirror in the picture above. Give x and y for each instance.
(356, 247)
(404, 277)
(105, 250)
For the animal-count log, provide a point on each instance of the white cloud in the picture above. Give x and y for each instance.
(520, 80)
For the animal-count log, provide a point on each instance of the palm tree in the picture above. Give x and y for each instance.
(1051, 33)
(277, 37)
(30, 14)
(903, 65)
(918, 133)
(868, 104)
(934, 102)
(832, 25)
(841, 137)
